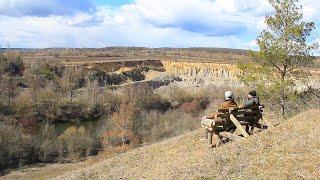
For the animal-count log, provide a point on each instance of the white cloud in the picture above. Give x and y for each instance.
(201, 16)
(311, 9)
(59, 32)
(156, 23)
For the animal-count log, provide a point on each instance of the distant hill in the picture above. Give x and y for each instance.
(133, 53)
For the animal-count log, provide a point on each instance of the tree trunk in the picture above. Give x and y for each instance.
(283, 105)
(35, 95)
(71, 95)
(283, 94)
(123, 140)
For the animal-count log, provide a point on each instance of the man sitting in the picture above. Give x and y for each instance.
(228, 103)
(252, 102)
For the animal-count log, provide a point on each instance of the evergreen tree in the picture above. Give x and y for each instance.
(279, 67)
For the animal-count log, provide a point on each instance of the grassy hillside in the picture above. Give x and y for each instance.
(288, 151)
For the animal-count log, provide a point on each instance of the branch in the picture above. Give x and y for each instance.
(274, 65)
(312, 91)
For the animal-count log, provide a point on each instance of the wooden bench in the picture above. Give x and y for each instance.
(244, 120)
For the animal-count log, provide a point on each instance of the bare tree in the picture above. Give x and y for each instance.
(71, 79)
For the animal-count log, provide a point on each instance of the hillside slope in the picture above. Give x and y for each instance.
(291, 150)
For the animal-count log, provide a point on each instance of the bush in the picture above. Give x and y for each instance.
(121, 132)
(18, 148)
(75, 143)
(71, 111)
(12, 66)
(115, 79)
(47, 146)
(96, 111)
(175, 94)
(134, 75)
(45, 70)
(155, 126)
(142, 97)
(15, 148)
(24, 106)
(47, 104)
(150, 102)
(195, 106)
(99, 76)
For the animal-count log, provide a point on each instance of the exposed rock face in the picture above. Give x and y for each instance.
(204, 72)
(207, 73)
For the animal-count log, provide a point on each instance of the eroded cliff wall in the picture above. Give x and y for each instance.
(204, 73)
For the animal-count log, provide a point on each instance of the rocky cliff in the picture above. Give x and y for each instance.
(198, 72)
(204, 72)
(221, 74)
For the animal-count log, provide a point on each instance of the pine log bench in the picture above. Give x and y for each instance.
(245, 120)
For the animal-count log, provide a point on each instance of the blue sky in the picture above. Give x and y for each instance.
(113, 3)
(148, 23)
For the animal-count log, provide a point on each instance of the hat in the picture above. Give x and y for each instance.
(253, 93)
(228, 95)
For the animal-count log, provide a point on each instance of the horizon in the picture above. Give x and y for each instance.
(231, 24)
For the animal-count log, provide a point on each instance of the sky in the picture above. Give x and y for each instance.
(143, 23)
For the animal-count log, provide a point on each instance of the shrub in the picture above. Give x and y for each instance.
(99, 76)
(111, 101)
(12, 66)
(150, 102)
(115, 79)
(195, 106)
(75, 143)
(47, 104)
(96, 111)
(134, 75)
(15, 148)
(24, 106)
(121, 130)
(71, 111)
(174, 94)
(47, 144)
(43, 70)
(105, 79)
(142, 97)
(155, 126)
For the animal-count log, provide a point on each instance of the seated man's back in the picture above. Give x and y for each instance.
(228, 104)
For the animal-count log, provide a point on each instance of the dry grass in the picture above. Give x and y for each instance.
(289, 151)
(125, 52)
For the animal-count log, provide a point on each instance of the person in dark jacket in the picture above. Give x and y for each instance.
(252, 102)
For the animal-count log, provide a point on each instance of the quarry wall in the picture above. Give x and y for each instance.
(204, 73)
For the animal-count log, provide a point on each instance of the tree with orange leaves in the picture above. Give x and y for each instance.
(122, 124)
